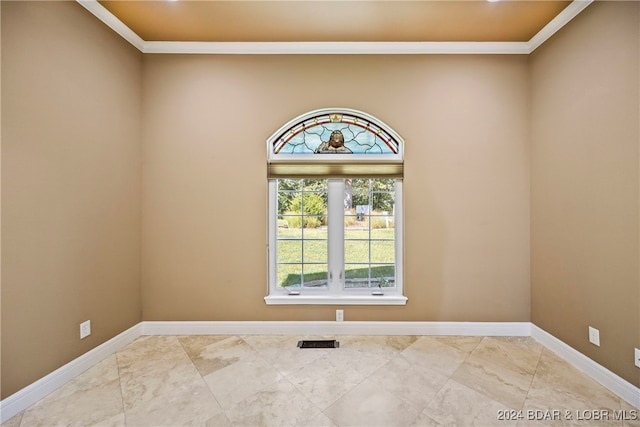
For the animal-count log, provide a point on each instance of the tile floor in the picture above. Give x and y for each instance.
(368, 381)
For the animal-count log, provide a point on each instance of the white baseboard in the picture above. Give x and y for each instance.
(624, 389)
(32, 393)
(337, 328)
(29, 395)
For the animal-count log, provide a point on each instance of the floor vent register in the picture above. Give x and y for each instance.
(318, 344)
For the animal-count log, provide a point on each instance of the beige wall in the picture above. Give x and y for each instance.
(71, 97)
(584, 217)
(465, 122)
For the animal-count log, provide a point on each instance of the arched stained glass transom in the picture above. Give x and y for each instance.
(336, 131)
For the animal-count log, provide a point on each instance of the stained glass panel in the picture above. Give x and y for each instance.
(335, 134)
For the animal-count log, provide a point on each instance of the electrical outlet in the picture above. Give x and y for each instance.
(594, 336)
(339, 315)
(636, 352)
(85, 329)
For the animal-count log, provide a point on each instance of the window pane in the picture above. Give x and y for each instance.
(383, 276)
(315, 275)
(383, 233)
(382, 204)
(356, 251)
(311, 204)
(318, 185)
(360, 184)
(380, 221)
(287, 232)
(384, 184)
(382, 251)
(369, 233)
(289, 275)
(289, 251)
(355, 232)
(359, 191)
(302, 232)
(312, 221)
(350, 218)
(289, 184)
(315, 232)
(356, 276)
(363, 276)
(315, 251)
(287, 189)
(361, 203)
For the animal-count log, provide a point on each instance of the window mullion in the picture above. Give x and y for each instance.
(335, 234)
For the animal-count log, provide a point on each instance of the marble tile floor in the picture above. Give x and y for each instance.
(368, 381)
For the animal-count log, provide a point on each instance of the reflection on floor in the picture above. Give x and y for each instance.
(368, 381)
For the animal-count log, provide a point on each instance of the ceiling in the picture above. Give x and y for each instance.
(335, 21)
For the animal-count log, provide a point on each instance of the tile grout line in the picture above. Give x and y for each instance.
(302, 392)
(225, 411)
(344, 394)
(186, 353)
(282, 375)
(420, 410)
(439, 388)
(535, 371)
(124, 412)
(450, 378)
(465, 360)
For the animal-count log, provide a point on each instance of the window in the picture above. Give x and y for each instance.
(335, 215)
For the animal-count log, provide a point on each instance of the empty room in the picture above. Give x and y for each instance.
(321, 213)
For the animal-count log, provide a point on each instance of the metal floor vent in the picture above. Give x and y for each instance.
(318, 344)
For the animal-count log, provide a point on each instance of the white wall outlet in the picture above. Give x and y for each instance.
(594, 336)
(85, 329)
(636, 353)
(339, 315)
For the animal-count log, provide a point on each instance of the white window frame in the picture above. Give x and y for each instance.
(335, 293)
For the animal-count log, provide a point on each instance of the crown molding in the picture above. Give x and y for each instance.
(337, 48)
(557, 23)
(100, 12)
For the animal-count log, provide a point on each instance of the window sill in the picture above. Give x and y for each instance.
(335, 300)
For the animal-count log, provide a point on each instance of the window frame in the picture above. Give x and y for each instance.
(335, 293)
